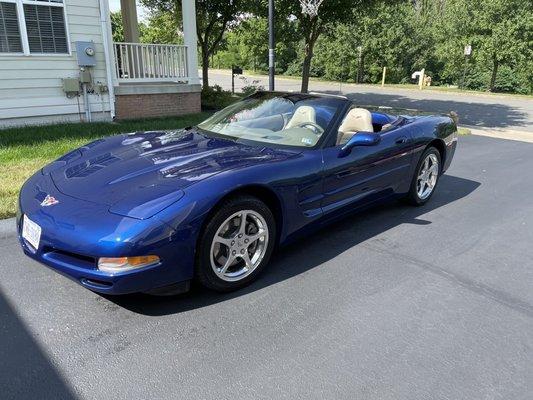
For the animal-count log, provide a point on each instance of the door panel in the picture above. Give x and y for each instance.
(367, 173)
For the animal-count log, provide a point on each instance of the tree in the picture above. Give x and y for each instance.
(247, 45)
(500, 32)
(160, 27)
(311, 27)
(213, 19)
(117, 27)
(389, 35)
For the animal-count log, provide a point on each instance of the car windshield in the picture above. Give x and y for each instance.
(285, 119)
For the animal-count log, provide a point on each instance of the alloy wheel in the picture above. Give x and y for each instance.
(427, 177)
(239, 245)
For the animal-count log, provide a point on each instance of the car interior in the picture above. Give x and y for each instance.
(298, 125)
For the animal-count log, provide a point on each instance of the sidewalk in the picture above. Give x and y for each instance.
(508, 134)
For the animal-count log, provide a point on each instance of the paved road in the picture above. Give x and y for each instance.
(399, 303)
(483, 110)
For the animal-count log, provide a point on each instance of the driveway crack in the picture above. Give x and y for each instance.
(481, 289)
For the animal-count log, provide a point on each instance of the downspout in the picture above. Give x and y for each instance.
(104, 12)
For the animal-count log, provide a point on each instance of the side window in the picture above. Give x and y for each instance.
(356, 120)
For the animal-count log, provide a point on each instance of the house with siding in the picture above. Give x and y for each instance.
(58, 63)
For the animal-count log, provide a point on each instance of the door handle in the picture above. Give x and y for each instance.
(401, 140)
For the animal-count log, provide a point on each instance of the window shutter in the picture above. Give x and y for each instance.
(10, 41)
(46, 29)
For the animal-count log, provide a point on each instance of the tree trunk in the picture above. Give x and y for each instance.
(306, 70)
(495, 65)
(205, 67)
(310, 40)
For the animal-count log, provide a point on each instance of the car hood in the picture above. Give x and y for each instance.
(140, 174)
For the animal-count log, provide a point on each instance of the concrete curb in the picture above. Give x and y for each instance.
(522, 136)
(7, 228)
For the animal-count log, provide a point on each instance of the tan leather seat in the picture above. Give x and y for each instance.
(357, 120)
(302, 115)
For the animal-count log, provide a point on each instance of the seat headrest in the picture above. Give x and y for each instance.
(302, 114)
(357, 120)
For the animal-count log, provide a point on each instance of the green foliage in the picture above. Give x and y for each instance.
(216, 98)
(247, 45)
(250, 86)
(500, 32)
(402, 35)
(389, 36)
(407, 36)
(117, 27)
(310, 27)
(213, 19)
(160, 28)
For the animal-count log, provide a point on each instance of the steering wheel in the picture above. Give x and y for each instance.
(317, 129)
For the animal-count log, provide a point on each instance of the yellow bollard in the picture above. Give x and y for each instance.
(383, 78)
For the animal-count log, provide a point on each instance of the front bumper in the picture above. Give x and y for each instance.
(75, 233)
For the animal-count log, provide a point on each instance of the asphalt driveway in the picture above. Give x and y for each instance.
(399, 303)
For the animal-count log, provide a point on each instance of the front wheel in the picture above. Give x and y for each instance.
(236, 244)
(426, 177)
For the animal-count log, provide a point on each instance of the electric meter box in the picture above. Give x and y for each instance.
(85, 51)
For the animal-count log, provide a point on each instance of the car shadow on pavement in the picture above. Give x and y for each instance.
(487, 115)
(311, 251)
(25, 370)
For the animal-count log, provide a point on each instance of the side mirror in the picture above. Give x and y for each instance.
(360, 139)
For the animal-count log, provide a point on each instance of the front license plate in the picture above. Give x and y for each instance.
(31, 232)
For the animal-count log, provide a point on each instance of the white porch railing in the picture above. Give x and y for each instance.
(139, 62)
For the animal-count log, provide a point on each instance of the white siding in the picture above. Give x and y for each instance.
(30, 86)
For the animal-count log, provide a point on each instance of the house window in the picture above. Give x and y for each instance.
(10, 40)
(33, 27)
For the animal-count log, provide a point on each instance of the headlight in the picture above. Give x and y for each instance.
(122, 264)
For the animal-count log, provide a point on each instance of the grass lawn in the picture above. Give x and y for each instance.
(25, 150)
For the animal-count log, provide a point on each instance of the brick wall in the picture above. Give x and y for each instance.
(156, 105)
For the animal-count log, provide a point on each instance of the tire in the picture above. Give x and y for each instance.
(416, 196)
(230, 254)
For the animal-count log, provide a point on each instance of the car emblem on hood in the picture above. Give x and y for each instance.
(49, 201)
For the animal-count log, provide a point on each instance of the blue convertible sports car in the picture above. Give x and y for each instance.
(151, 211)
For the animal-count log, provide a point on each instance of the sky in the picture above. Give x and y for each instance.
(114, 5)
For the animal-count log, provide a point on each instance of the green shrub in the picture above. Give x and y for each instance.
(216, 98)
(509, 81)
(250, 86)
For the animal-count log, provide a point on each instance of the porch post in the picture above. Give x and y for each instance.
(128, 9)
(189, 35)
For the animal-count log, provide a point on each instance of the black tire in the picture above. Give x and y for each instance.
(412, 196)
(204, 272)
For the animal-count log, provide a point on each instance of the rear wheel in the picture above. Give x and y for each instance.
(236, 244)
(426, 177)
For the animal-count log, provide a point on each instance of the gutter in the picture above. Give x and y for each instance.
(104, 23)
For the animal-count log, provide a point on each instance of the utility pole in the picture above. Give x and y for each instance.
(360, 64)
(271, 45)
